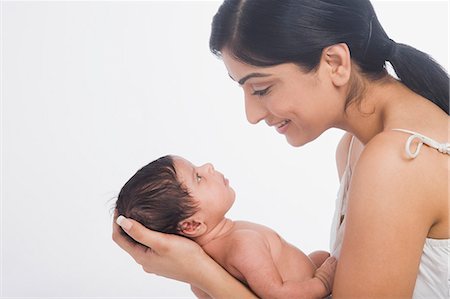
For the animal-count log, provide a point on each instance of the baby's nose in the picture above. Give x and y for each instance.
(209, 167)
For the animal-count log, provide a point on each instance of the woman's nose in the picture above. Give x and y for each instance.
(254, 109)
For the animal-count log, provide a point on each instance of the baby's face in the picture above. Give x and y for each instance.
(208, 187)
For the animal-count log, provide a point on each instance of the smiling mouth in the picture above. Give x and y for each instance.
(282, 124)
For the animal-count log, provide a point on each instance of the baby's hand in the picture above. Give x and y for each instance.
(325, 273)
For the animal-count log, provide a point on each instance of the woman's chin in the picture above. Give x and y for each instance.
(300, 139)
(295, 142)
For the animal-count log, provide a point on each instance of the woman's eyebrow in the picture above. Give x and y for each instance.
(252, 75)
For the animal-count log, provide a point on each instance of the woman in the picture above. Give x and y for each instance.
(307, 66)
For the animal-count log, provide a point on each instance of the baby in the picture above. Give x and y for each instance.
(171, 195)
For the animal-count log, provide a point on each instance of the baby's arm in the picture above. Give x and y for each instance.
(318, 257)
(252, 258)
(200, 293)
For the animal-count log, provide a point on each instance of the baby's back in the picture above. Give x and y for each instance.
(291, 263)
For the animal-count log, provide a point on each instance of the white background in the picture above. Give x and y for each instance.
(92, 91)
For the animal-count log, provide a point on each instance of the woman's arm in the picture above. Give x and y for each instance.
(387, 221)
(177, 258)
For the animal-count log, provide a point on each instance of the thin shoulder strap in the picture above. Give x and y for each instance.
(349, 153)
(441, 147)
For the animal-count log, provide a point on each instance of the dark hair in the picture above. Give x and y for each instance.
(271, 32)
(155, 198)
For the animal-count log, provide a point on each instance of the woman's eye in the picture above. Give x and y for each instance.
(261, 92)
(198, 177)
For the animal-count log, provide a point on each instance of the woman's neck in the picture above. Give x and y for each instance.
(374, 112)
(219, 230)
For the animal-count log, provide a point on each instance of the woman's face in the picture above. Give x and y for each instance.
(297, 104)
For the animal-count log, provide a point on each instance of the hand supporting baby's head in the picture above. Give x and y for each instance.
(155, 197)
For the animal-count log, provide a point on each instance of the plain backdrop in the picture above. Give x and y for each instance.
(92, 91)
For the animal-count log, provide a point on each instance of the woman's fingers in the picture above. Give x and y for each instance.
(141, 234)
(120, 239)
(166, 255)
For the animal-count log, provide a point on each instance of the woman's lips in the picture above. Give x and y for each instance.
(283, 126)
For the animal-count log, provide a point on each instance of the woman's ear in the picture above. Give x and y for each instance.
(338, 62)
(192, 228)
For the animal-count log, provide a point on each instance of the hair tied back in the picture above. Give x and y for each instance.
(392, 47)
(369, 37)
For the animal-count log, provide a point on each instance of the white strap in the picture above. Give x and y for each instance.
(441, 147)
(349, 153)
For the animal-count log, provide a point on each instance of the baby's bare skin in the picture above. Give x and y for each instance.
(261, 259)
(252, 253)
(289, 261)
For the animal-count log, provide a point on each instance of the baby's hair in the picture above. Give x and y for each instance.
(155, 198)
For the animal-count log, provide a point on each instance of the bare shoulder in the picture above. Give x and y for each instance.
(381, 168)
(384, 159)
(386, 152)
(394, 204)
(246, 248)
(385, 172)
(246, 241)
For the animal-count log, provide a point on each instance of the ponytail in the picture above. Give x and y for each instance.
(420, 73)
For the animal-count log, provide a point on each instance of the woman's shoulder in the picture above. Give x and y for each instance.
(385, 163)
(386, 177)
(396, 145)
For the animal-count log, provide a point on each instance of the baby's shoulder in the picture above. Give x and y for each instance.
(247, 234)
(247, 237)
(247, 244)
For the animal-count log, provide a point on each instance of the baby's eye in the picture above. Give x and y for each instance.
(198, 177)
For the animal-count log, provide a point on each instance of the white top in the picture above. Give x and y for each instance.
(433, 279)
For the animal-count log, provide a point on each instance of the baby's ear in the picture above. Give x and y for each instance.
(192, 228)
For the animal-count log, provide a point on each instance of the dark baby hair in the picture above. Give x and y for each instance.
(155, 198)
(271, 32)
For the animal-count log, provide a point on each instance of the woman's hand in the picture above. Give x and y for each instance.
(166, 255)
(177, 258)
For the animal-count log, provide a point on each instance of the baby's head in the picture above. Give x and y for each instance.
(171, 195)
(155, 198)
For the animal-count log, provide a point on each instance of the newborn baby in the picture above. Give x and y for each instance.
(171, 195)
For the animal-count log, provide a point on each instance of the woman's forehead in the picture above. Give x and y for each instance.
(239, 70)
(236, 68)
